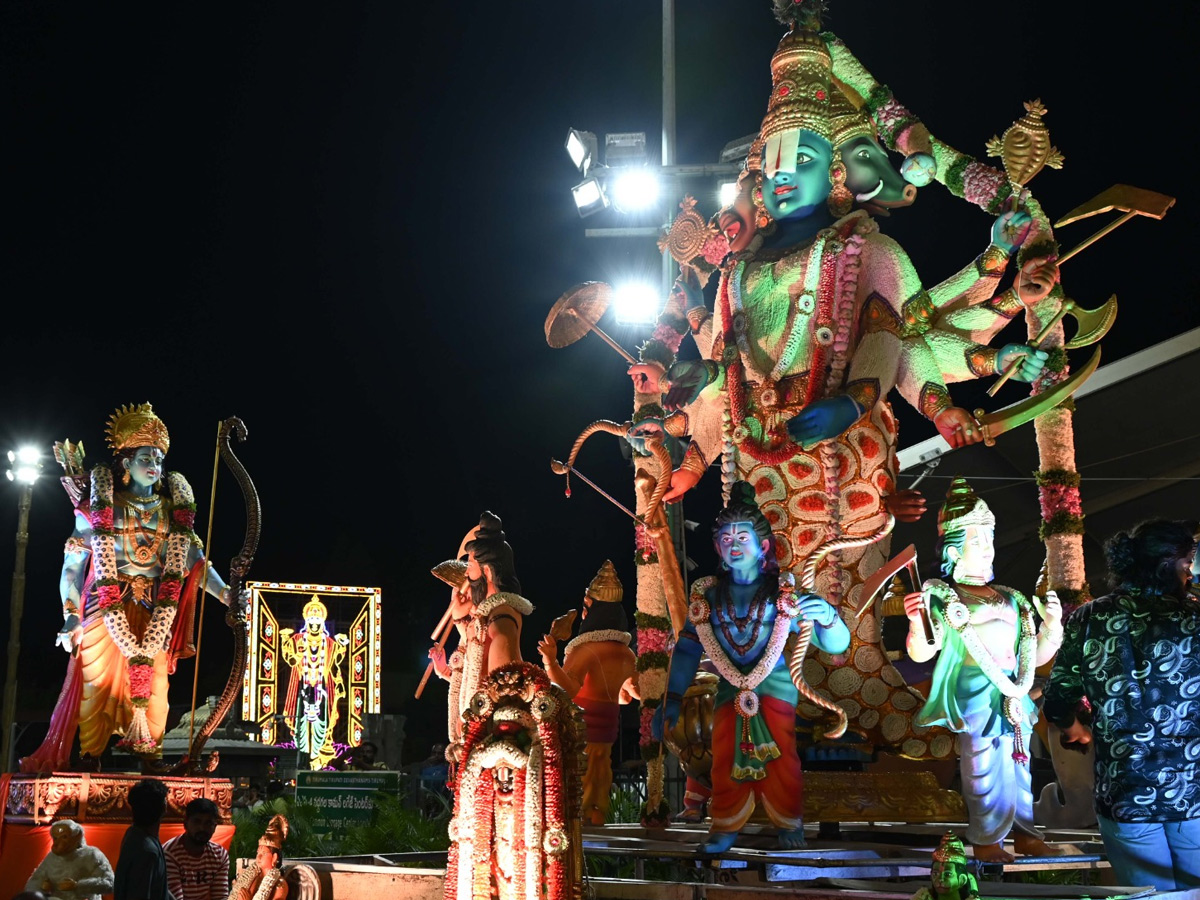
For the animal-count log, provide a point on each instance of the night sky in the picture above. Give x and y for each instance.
(346, 223)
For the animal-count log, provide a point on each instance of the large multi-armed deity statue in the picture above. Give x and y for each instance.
(818, 317)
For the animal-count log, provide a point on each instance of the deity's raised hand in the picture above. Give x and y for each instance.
(548, 648)
(437, 655)
(958, 427)
(906, 506)
(1049, 609)
(646, 377)
(1011, 229)
(815, 608)
(682, 481)
(1028, 360)
(914, 606)
(1036, 279)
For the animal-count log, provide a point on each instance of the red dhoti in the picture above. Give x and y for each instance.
(780, 791)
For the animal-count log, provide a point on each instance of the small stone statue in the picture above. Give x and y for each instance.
(71, 870)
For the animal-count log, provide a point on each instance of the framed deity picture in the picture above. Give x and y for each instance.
(312, 672)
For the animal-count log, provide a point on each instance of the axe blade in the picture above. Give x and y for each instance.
(1123, 198)
(1093, 324)
(875, 582)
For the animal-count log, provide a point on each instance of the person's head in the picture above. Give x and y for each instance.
(148, 802)
(140, 441)
(742, 534)
(366, 753)
(200, 819)
(66, 836)
(1154, 557)
(490, 560)
(966, 536)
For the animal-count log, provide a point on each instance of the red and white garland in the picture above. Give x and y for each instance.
(540, 839)
(140, 655)
(787, 607)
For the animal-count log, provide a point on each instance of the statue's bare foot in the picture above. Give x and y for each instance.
(994, 853)
(792, 840)
(718, 841)
(1028, 845)
(690, 815)
(596, 817)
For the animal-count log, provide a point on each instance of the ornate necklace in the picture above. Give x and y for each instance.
(143, 507)
(755, 613)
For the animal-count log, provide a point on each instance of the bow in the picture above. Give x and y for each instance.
(235, 617)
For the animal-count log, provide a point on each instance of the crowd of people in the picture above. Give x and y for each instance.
(190, 866)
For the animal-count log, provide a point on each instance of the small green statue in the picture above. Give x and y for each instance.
(950, 877)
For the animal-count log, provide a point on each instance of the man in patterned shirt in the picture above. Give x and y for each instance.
(198, 868)
(1133, 655)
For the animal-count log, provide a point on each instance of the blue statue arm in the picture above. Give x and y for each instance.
(829, 631)
(685, 660)
(824, 419)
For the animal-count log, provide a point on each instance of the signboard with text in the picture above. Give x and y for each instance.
(343, 800)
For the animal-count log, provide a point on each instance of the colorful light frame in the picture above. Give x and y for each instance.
(271, 601)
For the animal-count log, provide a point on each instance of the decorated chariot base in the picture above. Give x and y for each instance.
(98, 803)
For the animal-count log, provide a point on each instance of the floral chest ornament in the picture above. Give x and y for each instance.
(787, 608)
(820, 316)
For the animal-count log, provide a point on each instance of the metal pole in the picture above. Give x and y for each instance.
(16, 608)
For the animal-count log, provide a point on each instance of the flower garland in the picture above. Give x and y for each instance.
(746, 702)
(827, 302)
(601, 634)
(140, 655)
(266, 887)
(957, 615)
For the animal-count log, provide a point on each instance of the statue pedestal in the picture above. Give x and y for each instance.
(98, 803)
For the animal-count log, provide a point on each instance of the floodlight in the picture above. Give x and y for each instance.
(727, 194)
(589, 196)
(634, 190)
(625, 148)
(581, 146)
(26, 465)
(636, 303)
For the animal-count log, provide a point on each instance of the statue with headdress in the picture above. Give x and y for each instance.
(132, 570)
(756, 628)
(950, 875)
(988, 649)
(315, 685)
(516, 833)
(818, 317)
(487, 610)
(263, 878)
(596, 663)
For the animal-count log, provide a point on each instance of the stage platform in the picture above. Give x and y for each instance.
(866, 861)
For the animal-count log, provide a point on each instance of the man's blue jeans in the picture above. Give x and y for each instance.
(1165, 855)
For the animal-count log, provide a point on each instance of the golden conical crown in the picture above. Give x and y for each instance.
(800, 95)
(606, 586)
(136, 426)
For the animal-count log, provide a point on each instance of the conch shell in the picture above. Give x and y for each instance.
(1025, 148)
